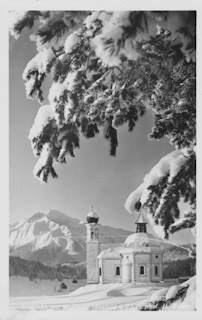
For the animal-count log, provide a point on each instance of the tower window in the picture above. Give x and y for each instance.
(117, 271)
(156, 257)
(100, 271)
(142, 270)
(92, 235)
(156, 271)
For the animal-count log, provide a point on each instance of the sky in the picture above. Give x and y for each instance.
(92, 178)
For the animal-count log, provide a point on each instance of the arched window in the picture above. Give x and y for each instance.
(156, 271)
(100, 271)
(142, 270)
(117, 271)
(92, 235)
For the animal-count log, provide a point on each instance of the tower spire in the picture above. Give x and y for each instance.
(141, 222)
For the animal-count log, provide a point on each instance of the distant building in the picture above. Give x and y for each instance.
(63, 286)
(138, 259)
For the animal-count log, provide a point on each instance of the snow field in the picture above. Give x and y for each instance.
(105, 295)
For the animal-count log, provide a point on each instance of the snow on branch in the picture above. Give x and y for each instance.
(14, 18)
(188, 221)
(171, 164)
(71, 41)
(112, 42)
(44, 115)
(40, 62)
(57, 89)
(158, 229)
(38, 169)
(133, 198)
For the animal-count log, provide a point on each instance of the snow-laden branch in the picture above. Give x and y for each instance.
(44, 116)
(170, 164)
(40, 62)
(188, 221)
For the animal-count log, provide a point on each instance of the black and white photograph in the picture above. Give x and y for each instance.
(102, 159)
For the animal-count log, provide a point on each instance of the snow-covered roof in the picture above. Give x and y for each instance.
(110, 253)
(106, 246)
(141, 241)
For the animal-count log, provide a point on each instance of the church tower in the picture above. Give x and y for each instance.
(141, 223)
(92, 247)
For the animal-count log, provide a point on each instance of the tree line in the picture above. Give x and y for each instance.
(179, 268)
(37, 270)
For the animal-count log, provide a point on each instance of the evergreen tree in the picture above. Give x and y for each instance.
(107, 68)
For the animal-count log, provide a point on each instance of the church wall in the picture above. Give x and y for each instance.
(109, 270)
(157, 260)
(142, 260)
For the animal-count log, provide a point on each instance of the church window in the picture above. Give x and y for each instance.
(100, 271)
(156, 271)
(92, 235)
(156, 257)
(142, 270)
(117, 271)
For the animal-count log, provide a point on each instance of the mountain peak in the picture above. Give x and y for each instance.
(59, 217)
(36, 216)
(53, 237)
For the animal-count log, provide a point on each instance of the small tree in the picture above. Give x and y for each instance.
(60, 277)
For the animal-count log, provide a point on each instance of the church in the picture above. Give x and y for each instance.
(138, 259)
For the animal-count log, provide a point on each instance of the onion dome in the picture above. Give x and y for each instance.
(92, 217)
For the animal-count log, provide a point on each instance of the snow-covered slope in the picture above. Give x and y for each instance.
(52, 238)
(108, 297)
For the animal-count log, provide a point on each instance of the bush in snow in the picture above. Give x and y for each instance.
(172, 297)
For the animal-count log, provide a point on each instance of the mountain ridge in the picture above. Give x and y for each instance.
(52, 237)
(55, 238)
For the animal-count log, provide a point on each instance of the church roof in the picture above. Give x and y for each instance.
(141, 218)
(110, 253)
(141, 242)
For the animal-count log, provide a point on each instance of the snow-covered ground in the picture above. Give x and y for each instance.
(23, 287)
(106, 297)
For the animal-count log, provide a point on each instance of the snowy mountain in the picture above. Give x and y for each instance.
(54, 238)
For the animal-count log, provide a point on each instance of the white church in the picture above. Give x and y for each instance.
(138, 259)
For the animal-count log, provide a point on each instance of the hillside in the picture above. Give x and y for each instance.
(177, 262)
(172, 253)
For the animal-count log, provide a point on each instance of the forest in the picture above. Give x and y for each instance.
(37, 270)
(177, 263)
